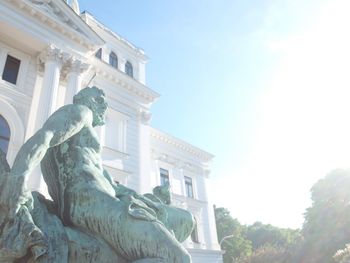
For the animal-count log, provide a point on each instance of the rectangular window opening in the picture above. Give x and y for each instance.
(164, 177)
(189, 187)
(11, 69)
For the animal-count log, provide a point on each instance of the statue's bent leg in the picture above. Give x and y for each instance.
(180, 221)
(132, 238)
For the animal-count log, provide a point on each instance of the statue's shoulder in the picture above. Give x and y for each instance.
(72, 112)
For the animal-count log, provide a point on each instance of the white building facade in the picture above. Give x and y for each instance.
(48, 52)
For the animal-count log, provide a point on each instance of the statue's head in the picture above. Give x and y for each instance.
(95, 99)
(163, 193)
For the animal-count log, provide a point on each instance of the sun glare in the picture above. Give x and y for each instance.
(304, 129)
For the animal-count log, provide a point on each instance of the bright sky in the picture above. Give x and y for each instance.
(262, 84)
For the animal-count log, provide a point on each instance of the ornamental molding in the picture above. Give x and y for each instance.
(54, 54)
(177, 163)
(139, 52)
(53, 10)
(145, 116)
(7, 92)
(59, 17)
(195, 205)
(75, 66)
(124, 81)
(67, 62)
(182, 145)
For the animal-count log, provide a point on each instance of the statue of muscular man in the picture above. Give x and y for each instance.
(84, 195)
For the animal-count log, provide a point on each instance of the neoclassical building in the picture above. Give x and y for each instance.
(48, 52)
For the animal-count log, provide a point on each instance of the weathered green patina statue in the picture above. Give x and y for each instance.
(91, 218)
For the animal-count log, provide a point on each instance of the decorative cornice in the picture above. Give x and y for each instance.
(140, 53)
(49, 6)
(107, 72)
(178, 163)
(59, 17)
(182, 145)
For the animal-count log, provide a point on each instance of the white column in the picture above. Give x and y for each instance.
(144, 152)
(208, 212)
(76, 69)
(53, 59)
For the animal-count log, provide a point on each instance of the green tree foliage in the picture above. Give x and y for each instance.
(327, 222)
(237, 245)
(268, 254)
(325, 237)
(267, 235)
(254, 243)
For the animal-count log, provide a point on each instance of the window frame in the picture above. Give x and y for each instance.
(129, 69)
(23, 69)
(164, 177)
(189, 189)
(113, 57)
(8, 73)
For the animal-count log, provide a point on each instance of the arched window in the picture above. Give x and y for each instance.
(4, 134)
(113, 60)
(129, 69)
(99, 53)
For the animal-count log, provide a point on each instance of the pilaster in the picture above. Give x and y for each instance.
(121, 64)
(144, 151)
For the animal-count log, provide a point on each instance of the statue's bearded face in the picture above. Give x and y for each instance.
(95, 99)
(98, 106)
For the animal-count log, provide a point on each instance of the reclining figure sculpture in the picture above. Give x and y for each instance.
(91, 218)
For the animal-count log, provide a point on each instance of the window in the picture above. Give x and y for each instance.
(99, 53)
(113, 60)
(194, 234)
(4, 134)
(164, 176)
(189, 187)
(129, 69)
(11, 69)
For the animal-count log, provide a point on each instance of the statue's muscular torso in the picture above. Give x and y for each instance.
(82, 156)
(74, 168)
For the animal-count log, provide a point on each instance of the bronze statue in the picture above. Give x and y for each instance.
(87, 204)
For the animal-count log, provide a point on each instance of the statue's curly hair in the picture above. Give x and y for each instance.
(82, 95)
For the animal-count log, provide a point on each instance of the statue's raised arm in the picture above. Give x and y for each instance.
(62, 125)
